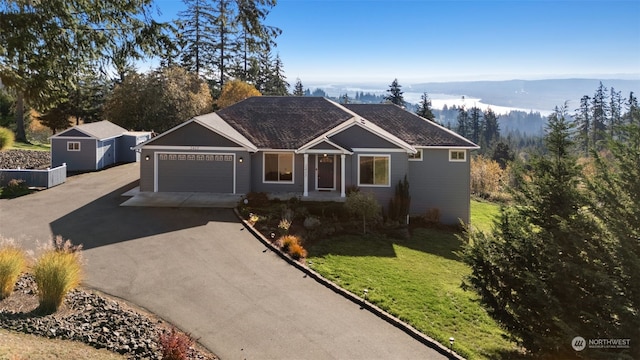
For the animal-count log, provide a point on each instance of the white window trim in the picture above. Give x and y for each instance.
(73, 142)
(416, 159)
(293, 167)
(451, 159)
(388, 170)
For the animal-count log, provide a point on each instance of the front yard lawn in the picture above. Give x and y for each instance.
(419, 281)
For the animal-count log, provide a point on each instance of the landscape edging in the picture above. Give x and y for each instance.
(410, 330)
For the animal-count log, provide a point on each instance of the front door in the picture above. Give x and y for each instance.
(326, 172)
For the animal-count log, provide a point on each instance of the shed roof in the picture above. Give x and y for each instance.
(99, 130)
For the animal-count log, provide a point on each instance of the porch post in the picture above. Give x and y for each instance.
(342, 167)
(306, 175)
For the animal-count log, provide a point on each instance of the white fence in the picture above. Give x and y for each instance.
(35, 178)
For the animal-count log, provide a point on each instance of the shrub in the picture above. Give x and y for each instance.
(12, 264)
(175, 345)
(15, 188)
(57, 271)
(297, 251)
(363, 205)
(432, 216)
(257, 199)
(6, 138)
(284, 226)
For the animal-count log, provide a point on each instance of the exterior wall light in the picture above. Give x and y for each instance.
(240, 160)
(147, 158)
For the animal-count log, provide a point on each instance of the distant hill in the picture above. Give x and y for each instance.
(528, 94)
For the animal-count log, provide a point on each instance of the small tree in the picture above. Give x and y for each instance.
(298, 89)
(424, 108)
(395, 94)
(362, 205)
(401, 201)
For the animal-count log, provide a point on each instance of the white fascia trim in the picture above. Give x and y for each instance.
(192, 148)
(61, 135)
(381, 150)
(372, 128)
(243, 141)
(139, 146)
(449, 147)
(306, 148)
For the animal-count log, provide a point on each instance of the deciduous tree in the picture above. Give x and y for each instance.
(158, 100)
(234, 91)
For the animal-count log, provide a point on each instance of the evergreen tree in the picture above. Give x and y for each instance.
(273, 80)
(463, 122)
(475, 124)
(616, 202)
(615, 108)
(632, 115)
(424, 108)
(502, 154)
(56, 119)
(196, 37)
(344, 99)
(544, 271)
(43, 49)
(599, 116)
(491, 129)
(394, 94)
(298, 89)
(583, 124)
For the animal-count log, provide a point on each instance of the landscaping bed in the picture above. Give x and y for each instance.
(89, 318)
(412, 272)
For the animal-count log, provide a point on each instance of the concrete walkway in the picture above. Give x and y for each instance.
(203, 271)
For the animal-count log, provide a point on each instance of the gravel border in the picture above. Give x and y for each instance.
(92, 319)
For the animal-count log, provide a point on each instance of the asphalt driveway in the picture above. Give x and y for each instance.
(199, 269)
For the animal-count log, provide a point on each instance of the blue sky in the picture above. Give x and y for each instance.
(423, 40)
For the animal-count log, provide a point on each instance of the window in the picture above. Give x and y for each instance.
(374, 170)
(417, 156)
(457, 155)
(278, 167)
(73, 146)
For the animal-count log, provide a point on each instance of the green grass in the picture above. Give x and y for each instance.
(418, 280)
(483, 213)
(25, 146)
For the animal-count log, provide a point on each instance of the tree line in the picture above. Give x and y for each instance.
(65, 60)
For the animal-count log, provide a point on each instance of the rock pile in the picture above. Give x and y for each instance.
(93, 320)
(24, 159)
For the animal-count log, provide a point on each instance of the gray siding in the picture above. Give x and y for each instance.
(124, 145)
(257, 175)
(357, 137)
(381, 193)
(193, 134)
(324, 146)
(106, 153)
(73, 132)
(437, 183)
(82, 160)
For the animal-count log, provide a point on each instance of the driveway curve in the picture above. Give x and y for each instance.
(201, 270)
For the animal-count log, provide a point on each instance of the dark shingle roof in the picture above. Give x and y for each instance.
(409, 127)
(286, 122)
(289, 122)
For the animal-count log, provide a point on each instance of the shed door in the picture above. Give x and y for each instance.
(201, 172)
